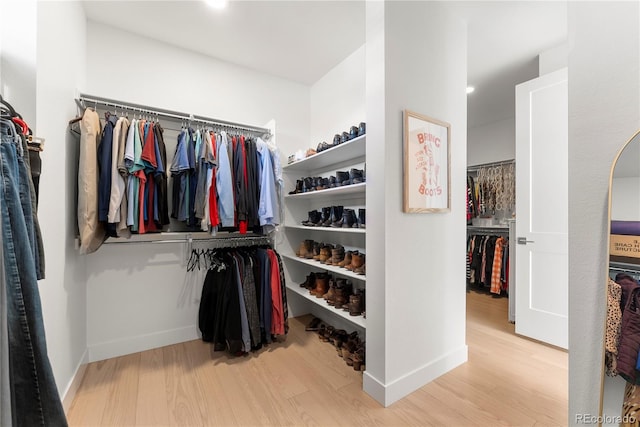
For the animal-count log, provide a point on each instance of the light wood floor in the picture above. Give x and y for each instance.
(508, 380)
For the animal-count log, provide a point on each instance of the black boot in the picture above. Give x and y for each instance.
(349, 218)
(298, 187)
(324, 217)
(336, 217)
(342, 178)
(356, 176)
(307, 185)
(314, 217)
(361, 218)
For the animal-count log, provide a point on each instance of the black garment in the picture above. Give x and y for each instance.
(193, 177)
(253, 185)
(36, 168)
(238, 179)
(161, 178)
(490, 251)
(104, 169)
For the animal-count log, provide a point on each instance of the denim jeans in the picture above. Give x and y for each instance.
(34, 395)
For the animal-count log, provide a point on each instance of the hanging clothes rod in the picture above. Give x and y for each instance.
(492, 164)
(85, 101)
(472, 229)
(221, 240)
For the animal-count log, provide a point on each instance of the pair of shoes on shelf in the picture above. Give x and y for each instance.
(341, 178)
(336, 217)
(354, 261)
(305, 249)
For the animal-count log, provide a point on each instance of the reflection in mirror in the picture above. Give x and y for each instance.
(620, 404)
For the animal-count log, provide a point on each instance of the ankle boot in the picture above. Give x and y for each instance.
(356, 261)
(307, 185)
(331, 292)
(305, 247)
(322, 286)
(336, 139)
(362, 129)
(347, 259)
(356, 176)
(314, 217)
(355, 304)
(298, 188)
(337, 255)
(310, 283)
(342, 178)
(332, 181)
(348, 218)
(317, 248)
(361, 218)
(342, 298)
(325, 215)
(325, 253)
(353, 132)
(336, 218)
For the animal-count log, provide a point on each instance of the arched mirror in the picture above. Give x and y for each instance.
(621, 384)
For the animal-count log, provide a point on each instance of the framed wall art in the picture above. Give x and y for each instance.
(426, 164)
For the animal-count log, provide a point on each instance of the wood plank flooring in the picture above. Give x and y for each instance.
(508, 380)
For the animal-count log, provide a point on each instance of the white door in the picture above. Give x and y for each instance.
(542, 209)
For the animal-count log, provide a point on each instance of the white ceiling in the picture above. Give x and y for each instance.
(303, 40)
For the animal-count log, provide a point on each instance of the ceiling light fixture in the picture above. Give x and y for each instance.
(470, 89)
(217, 4)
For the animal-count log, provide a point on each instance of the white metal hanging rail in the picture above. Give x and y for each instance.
(85, 100)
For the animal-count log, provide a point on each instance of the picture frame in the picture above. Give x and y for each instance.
(426, 169)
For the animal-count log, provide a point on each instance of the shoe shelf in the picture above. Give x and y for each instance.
(330, 192)
(303, 292)
(347, 151)
(333, 269)
(329, 229)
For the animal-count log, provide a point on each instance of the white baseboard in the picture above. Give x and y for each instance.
(139, 343)
(387, 394)
(74, 384)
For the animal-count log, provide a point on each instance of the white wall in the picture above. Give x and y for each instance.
(423, 62)
(338, 99)
(61, 57)
(604, 112)
(18, 57)
(135, 293)
(492, 142)
(553, 59)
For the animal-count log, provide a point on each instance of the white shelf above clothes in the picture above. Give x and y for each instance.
(336, 270)
(349, 150)
(304, 293)
(353, 189)
(328, 229)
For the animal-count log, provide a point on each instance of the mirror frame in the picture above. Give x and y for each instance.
(604, 330)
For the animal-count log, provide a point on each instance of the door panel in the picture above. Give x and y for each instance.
(542, 210)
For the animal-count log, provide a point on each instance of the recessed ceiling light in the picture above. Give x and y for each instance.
(217, 4)
(470, 89)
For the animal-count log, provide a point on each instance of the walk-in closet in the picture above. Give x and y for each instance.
(219, 198)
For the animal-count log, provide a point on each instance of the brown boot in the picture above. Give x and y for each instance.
(330, 295)
(356, 262)
(325, 253)
(337, 255)
(347, 259)
(306, 249)
(322, 285)
(362, 269)
(355, 304)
